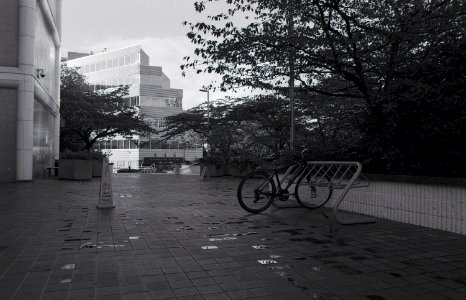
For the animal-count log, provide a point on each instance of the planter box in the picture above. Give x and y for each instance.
(215, 170)
(75, 169)
(240, 170)
(97, 168)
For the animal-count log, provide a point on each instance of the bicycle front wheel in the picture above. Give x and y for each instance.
(312, 195)
(256, 192)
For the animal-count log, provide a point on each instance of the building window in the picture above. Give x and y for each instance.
(109, 63)
(127, 60)
(114, 144)
(134, 58)
(135, 79)
(126, 144)
(121, 61)
(133, 144)
(87, 68)
(144, 145)
(115, 62)
(92, 67)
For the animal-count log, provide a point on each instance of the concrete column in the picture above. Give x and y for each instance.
(58, 24)
(25, 107)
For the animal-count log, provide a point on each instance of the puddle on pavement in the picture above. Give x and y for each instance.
(299, 258)
(358, 257)
(370, 250)
(209, 247)
(76, 240)
(184, 228)
(312, 240)
(93, 246)
(65, 281)
(330, 254)
(280, 267)
(267, 261)
(259, 227)
(345, 269)
(259, 247)
(227, 238)
(236, 222)
(317, 269)
(178, 223)
(247, 233)
(395, 274)
(136, 237)
(68, 267)
(217, 235)
(375, 297)
(291, 280)
(275, 256)
(296, 231)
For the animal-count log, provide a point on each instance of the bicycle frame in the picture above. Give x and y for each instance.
(293, 173)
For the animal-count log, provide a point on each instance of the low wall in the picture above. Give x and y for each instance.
(432, 202)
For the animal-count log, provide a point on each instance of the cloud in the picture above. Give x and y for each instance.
(168, 52)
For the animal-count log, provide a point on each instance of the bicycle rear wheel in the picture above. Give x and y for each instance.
(311, 194)
(256, 192)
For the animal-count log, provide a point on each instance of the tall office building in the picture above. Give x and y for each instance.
(29, 87)
(149, 89)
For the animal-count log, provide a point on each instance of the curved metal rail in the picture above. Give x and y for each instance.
(343, 175)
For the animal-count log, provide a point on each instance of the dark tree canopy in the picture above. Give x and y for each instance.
(386, 75)
(89, 115)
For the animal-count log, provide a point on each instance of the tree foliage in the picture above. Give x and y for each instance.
(387, 75)
(89, 115)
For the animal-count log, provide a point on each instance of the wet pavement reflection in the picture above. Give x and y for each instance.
(176, 236)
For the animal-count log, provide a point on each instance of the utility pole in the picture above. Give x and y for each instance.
(291, 58)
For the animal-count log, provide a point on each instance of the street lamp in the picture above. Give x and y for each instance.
(208, 109)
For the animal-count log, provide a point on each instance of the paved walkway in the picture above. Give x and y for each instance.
(180, 238)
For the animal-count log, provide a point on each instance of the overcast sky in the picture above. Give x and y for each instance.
(92, 25)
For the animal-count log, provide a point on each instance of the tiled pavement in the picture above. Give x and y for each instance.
(55, 244)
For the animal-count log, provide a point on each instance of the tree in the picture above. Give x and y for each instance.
(90, 115)
(213, 122)
(368, 48)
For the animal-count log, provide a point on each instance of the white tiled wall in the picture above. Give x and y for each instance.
(439, 206)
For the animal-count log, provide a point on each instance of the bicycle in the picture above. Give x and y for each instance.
(258, 189)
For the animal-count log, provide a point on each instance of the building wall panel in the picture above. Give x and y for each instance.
(8, 111)
(9, 16)
(43, 134)
(44, 57)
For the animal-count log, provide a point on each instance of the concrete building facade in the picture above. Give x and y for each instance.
(149, 90)
(29, 87)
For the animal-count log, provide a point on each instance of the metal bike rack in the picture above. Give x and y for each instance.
(343, 175)
(284, 204)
